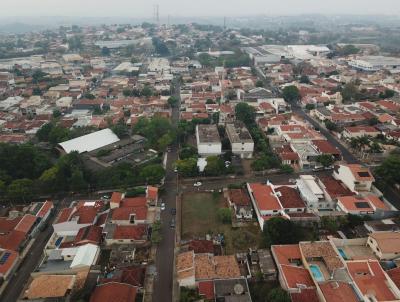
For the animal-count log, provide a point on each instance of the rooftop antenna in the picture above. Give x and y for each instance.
(168, 20)
(224, 23)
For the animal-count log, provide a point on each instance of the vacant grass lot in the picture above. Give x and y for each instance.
(199, 217)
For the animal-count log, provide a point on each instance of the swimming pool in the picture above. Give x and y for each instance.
(343, 254)
(316, 271)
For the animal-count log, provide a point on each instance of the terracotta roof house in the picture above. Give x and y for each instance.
(114, 291)
(239, 199)
(372, 281)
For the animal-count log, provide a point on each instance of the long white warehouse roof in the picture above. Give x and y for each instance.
(90, 141)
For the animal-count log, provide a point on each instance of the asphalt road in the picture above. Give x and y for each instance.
(18, 281)
(347, 155)
(163, 282)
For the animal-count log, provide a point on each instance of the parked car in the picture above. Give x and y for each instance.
(173, 211)
(172, 223)
(176, 170)
(162, 206)
(197, 184)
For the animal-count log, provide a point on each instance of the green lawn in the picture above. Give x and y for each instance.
(199, 217)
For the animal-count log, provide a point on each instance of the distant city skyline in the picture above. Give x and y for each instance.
(144, 8)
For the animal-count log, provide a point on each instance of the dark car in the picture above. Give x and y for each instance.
(173, 211)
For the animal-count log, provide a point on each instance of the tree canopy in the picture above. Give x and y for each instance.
(291, 94)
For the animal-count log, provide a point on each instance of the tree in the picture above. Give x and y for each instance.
(215, 166)
(259, 83)
(56, 113)
(224, 215)
(126, 92)
(146, 91)
(373, 121)
(160, 47)
(20, 189)
(375, 147)
(187, 152)
(105, 52)
(350, 92)
(389, 169)
(164, 141)
(36, 91)
(326, 160)
(3, 188)
(187, 167)
(291, 94)
(77, 181)
(89, 96)
(310, 106)
(278, 230)
(120, 129)
(387, 94)
(287, 169)
(245, 113)
(278, 295)
(173, 101)
(330, 125)
(152, 174)
(348, 50)
(304, 79)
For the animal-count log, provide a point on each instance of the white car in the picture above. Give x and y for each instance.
(162, 206)
(176, 170)
(197, 184)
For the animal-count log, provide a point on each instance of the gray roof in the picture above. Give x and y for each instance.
(90, 141)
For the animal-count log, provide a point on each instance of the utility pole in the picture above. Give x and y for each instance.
(224, 23)
(158, 14)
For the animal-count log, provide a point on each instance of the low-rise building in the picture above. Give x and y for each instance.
(208, 140)
(241, 141)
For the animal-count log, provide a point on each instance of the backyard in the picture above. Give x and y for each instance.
(199, 217)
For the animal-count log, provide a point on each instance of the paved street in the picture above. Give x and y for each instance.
(165, 251)
(31, 260)
(347, 155)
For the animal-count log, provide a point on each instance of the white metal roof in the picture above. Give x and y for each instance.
(90, 141)
(85, 256)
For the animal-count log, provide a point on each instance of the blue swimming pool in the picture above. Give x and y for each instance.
(316, 271)
(343, 254)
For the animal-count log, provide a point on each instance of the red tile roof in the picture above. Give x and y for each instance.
(125, 213)
(264, 197)
(290, 198)
(325, 147)
(295, 276)
(239, 197)
(135, 232)
(64, 215)
(306, 295)
(152, 193)
(12, 240)
(370, 279)
(47, 206)
(9, 261)
(117, 292)
(133, 202)
(26, 224)
(286, 254)
(335, 188)
(116, 197)
(394, 274)
(338, 292)
(7, 225)
(206, 289)
(133, 275)
(86, 214)
(201, 246)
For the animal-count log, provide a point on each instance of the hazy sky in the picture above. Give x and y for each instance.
(144, 8)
